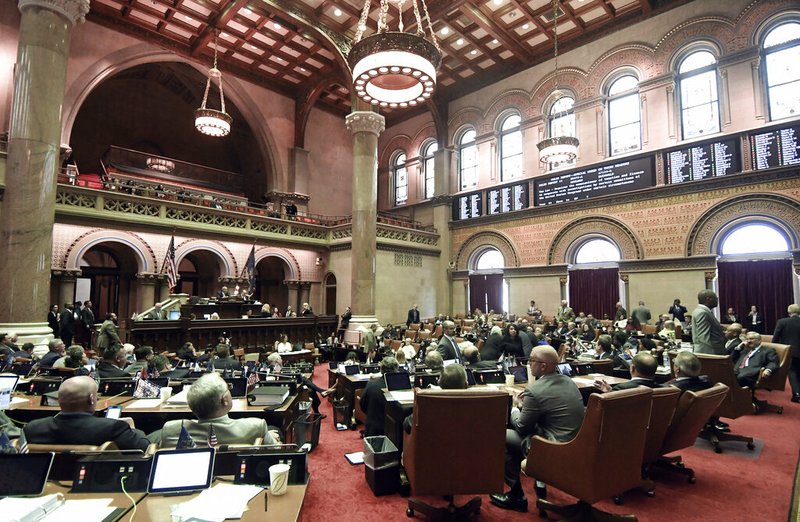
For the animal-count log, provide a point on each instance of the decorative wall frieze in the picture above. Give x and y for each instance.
(668, 264)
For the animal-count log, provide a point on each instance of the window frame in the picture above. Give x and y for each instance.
(501, 137)
(429, 168)
(617, 97)
(680, 78)
(462, 146)
(765, 51)
(396, 167)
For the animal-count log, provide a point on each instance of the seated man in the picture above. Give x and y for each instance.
(224, 361)
(115, 358)
(473, 359)
(76, 423)
(373, 402)
(210, 401)
(643, 373)
(434, 361)
(56, 352)
(753, 359)
(733, 341)
(143, 354)
(551, 406)
(604, 348)
(687, 373)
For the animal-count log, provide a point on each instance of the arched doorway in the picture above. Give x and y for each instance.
(487, 289)
(330, 294)
(199, 272)
(108, 275)
(271, 286)
(594, 284)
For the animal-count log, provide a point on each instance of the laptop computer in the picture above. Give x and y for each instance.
(8, 383)
(424, 380)
(179, 472)
(112, 388)
(490, 377)
(520, 373)
(396, 381)
(237, 385)
(470, 377)
(25, 474)
(351, 369)
(565, 369)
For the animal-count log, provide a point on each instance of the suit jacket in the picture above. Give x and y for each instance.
(491, 350)
(49, 359)
(552, 407)
(158, 315)
(483, 365)
(345, 320)
(413, 317)
(373, 403)
(107, 336)
(527, 344)
(227, 430)
(691, 383)
(66, 322)
(448, 349)
(787, 331)
(707, 334)
(621, 313)
(106, 370)
(678, 312)
(565, 314)
(734, 348)
(84, 428)
(762, 358)
(87, 316)
(52, 322)
(641, 315)
(635, 383)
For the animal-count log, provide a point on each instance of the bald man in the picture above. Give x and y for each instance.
(76, 423)
(551, 407)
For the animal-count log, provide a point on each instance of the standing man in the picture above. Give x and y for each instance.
(755, 320)
(551, 407)
(108, 334)
(787, 331)
(413, 316)
(678, 311)
(707, 334)
(370, 339)
(52, 319)
(640, 315)
(87, 318)
(66, 324)
(565, 313)
(447, 347)
(345, 321)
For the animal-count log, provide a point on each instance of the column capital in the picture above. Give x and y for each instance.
(148, 278)
(365, 121)
(64, 274)
(73, 10)
(292, 283)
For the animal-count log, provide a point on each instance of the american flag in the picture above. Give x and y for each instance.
(249, 271)
(22, 443)
(212, 437)
(170, 267)
(252, 379)
(5, 444)
(185, 441)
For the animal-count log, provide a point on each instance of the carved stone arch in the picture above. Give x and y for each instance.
(285, 256)
(305, 102)
(616, 231)
(424, 135)
(467, 117)
(759, 18)
(711, 227)
(483, 240)
(227, 263)
(145, 258)
(717, 31)
(235, 92)
(570, 78)
(400, 142)
(638, 58)
(515, 99)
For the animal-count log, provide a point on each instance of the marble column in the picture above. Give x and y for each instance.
(442, 213)
(66, 286)
(294, 288)
(147, 291)
(28, 210)
(365, 127)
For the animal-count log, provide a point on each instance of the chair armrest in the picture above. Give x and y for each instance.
(129, 421)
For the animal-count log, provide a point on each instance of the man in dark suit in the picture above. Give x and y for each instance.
(114, 361)
(447, 346)
(56, 352)
(787, 331)
(753, 359)
(52, 319)
(345, 322)
(473, 360)
(66, 324)
(643, 373)
(373, 401)
(678, 311)
(224, 361)
(641, 315)
(87, 319)
(551, 406)
(413, 315)
(687, 373)
(755, 320)
(733, 341)
(620, 312)
(76, 423)
(604, 348)
(156, 314)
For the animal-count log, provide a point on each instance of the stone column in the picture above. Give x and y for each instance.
(294, 287)
(66, 286)
(28, 211)
(365, 127)
(442, 213)
(147, 291)
(305, 292)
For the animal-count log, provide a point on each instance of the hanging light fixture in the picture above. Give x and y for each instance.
(557, 149)
(392, 68)
(212, 122)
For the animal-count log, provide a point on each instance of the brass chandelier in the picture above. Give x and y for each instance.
(212, 122)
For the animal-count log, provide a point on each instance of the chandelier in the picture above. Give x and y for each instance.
(393, 68)
(160, 165)
(557, 149)
(212, 122)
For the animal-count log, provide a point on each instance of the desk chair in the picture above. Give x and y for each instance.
(776, 381)
(604, 366)
(238, 353)
(662, 410)
(691, 414)
(738, 401)
(607, 467)
(435, 465)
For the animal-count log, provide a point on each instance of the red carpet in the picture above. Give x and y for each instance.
(730, 487)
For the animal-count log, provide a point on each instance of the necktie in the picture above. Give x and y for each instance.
(743, 364)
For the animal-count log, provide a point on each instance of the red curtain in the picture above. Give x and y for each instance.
(766, 284)
(594, 291)
(487, 288)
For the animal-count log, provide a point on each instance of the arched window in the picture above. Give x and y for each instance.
(562, 123)
(782, 59)
(754, 238)
(468, 160)
(400, 176)
(699, 97)
(597, 251)
(490, 259)
(510, 148)
(428, 167)
(624, 118)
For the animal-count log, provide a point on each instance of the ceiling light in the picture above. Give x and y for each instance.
(495, 41)
(393, 68)
(212, 122)
(525, 26)
(473, 52)
(498, 2)
(276, 25)
(247, 11)
(460, 41)
(445, 31)
(337, 12)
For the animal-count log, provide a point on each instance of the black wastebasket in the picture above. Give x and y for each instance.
(306, 429)
(341, 414)
(381, 465)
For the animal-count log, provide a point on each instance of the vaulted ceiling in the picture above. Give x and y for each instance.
(298, 47)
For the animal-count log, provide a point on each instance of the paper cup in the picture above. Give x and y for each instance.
(279, 478)
(165, 393)
(509, 380)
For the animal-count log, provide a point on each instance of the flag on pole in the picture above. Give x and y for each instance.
(5, 444)
(185, 441)
(22, 443)
(170, 267)
(249, 271)
(212, 437)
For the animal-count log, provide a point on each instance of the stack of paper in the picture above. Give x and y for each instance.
(218, 503)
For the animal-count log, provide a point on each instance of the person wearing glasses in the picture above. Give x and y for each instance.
(551, 407)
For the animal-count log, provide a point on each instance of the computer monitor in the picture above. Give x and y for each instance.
(174, 315)
(351, 369)
(24, 474)
(424, 380)
(520, 373)
(565, 369)
(8, 382)
(177, 472)
(396, 381)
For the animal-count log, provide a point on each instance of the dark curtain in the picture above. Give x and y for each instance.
(594, 291)
(766, 284)
(485, 289)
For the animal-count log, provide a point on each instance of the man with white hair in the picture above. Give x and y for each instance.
(754, 359)
(210, 400)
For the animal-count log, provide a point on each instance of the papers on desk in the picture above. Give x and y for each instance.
(142, 404)
(587, 381)
(296, 352)
(53, 508)
(20, 400)
(217, 503)
(180, 398)
(402, 395)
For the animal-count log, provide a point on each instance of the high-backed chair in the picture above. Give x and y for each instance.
(604, 366)
(435, 464)
(738, 401)
(691, 414)
(648, 329)
(777, 380)
(395, 344)
(607, 466)
(662, 410)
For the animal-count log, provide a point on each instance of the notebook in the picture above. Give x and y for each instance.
(178, 472)
(25, 474)
(396, 381)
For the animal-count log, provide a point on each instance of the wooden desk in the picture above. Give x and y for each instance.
(32, 408)
(280, 508)
(346, 386)
(118, 500)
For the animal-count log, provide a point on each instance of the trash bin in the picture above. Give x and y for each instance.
(381, 465)
(306, 429)
(341, 414)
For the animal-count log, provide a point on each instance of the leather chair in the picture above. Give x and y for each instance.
(436, 464)
(648, 329)
(662, 410)
(691, 415)
(423, 334)
(776, 381)
(604, 366)
(359, 414)
(605, 467)
(738, 401)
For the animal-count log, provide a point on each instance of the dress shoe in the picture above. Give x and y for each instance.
(506, 501)
(796, 397)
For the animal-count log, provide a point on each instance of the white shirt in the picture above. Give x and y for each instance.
(284, 347)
